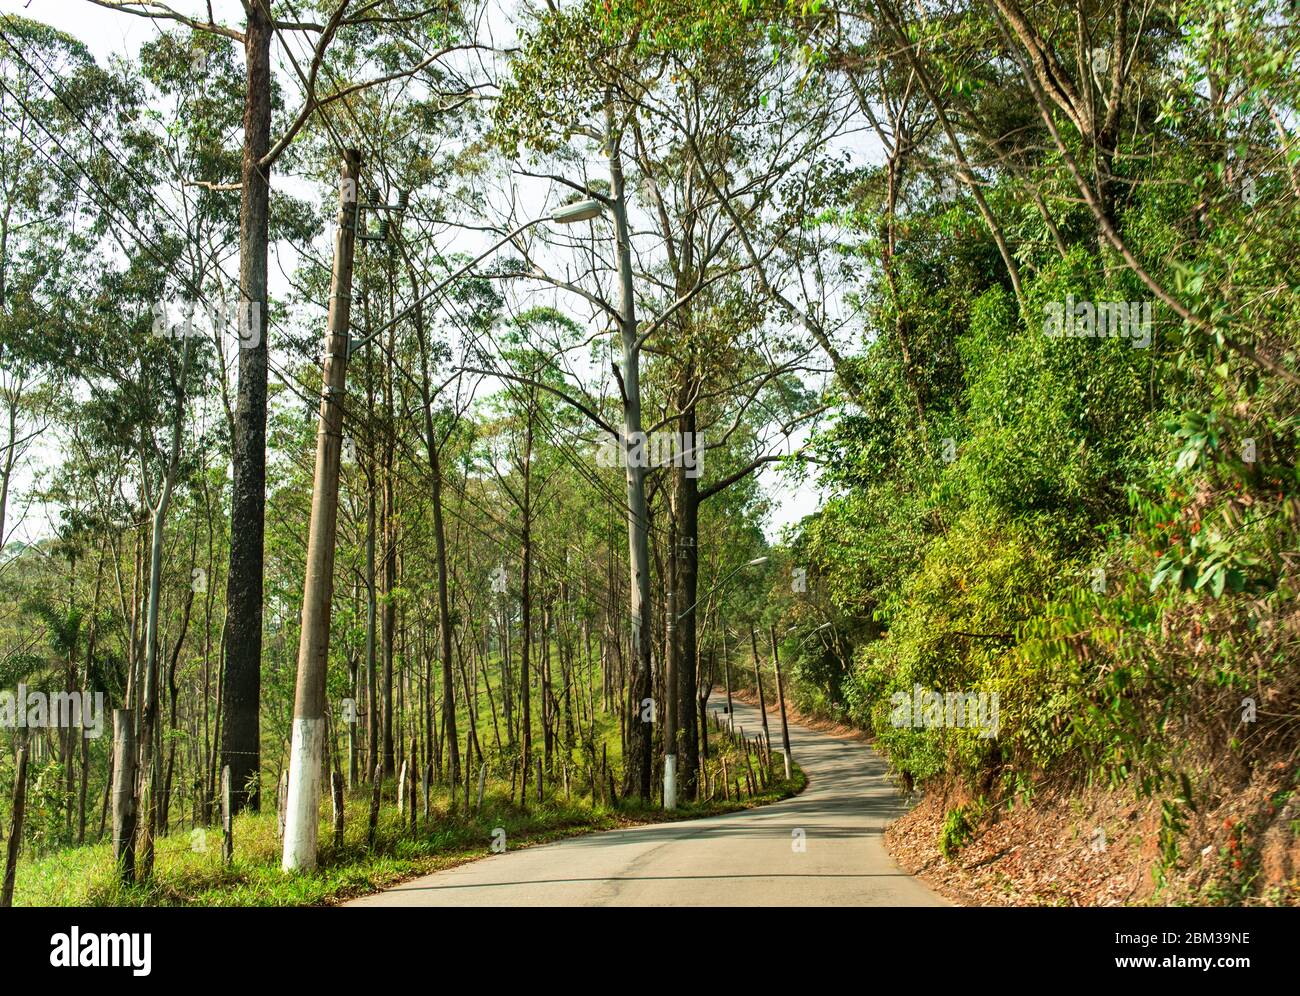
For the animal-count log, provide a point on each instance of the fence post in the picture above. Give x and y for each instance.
(227, 817)
(378, 784)
(340, 822)
(15, 828)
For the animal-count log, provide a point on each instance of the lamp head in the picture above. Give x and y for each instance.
(578, 211)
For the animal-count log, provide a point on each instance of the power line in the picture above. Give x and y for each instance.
(441, 298)
(290, 381)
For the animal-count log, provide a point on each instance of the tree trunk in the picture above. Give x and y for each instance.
(242, 681)
(686, 584)
(637, 776)
(124, 811)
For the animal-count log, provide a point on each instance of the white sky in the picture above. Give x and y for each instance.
(107, 33)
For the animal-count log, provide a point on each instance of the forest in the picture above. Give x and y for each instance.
(428, 429)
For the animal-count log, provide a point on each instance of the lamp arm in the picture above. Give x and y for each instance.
(356, 346)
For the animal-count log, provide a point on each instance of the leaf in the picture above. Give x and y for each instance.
(1220, 577)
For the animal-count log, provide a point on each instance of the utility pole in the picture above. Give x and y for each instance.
(780, 696)
(302, 810)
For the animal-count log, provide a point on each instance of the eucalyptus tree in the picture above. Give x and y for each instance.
(525, 455)
(144, 376)
(45, 75)
(727, 376)
(562, 88)
(324, 43)
(137, 364)
(443, 402)
(721, 150)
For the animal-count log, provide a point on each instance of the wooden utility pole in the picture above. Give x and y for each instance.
(758, 680)
(780, 697)
(302, 810)
(15, 828)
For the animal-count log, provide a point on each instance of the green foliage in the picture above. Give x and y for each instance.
(190, 871)
(959, 825)
(1091, 526)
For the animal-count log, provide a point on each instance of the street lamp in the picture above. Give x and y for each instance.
(811, 633)
(670, 724)
(569, 214)
(587, 210)
(718, 587)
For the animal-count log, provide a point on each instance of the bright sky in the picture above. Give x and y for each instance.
(108, 33)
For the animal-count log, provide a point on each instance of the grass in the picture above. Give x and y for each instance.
(188, 869)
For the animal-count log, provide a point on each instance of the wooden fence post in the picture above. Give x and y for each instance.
(282, 800)
(15, 828)
(413, 799)
(401, 793)
(428, 778)
(227, 817)
(340, 824)
(378, 783)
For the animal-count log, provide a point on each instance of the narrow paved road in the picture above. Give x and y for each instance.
(740, 859)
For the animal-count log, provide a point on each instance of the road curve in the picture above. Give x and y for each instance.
(747, 858)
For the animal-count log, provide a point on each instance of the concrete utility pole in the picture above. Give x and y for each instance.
(302, 809)
(780, 696)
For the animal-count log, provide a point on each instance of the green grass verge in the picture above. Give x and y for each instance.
(188, 869)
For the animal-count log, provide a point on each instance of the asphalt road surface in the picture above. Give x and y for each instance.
(821, 848)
